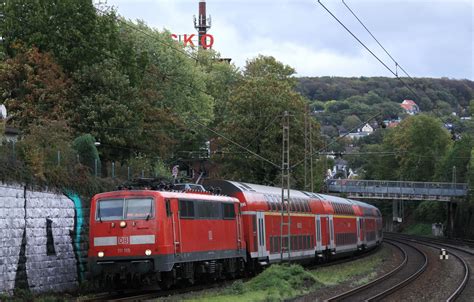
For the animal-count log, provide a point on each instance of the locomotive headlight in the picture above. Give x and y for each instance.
(148, 252)
(123, 224)
(100, 254)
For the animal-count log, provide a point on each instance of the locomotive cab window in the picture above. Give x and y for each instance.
(139, 208)
(127, 208)
(110, 209)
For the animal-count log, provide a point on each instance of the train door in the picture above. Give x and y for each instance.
(261, 234)
(238, 219)
(364, 231)
(176, 226)
(331, 232)
(318, 233)
(358, 231)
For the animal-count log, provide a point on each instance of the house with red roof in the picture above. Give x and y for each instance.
(410, 107)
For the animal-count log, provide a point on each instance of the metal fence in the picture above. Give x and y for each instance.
(398, 188)
(18, 165)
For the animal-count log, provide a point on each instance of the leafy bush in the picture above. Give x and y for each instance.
(286, 280)
(86, 150)
(429, 211)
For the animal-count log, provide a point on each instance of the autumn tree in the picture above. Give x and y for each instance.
(34, 89)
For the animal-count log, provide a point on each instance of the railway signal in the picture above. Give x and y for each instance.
(443, 254)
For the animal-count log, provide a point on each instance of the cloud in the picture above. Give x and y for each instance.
(427, 37)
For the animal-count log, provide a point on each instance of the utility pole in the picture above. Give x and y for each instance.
(311, 154)
(306, 147)
(285, 239)
(308, 152)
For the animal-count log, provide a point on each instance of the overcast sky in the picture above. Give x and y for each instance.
(428, 38)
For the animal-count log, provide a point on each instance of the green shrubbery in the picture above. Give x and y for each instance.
(276, 283)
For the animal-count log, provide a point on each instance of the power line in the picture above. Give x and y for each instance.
(397, 65)
(383, 153)
(375, 56)
(338, 138)
(171, 46)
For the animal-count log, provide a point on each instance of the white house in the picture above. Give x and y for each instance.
(367, 128)
(361, 132)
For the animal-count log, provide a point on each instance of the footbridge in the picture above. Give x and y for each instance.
(398, 190)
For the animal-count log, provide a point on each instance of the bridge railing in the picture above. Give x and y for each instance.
(397, 187)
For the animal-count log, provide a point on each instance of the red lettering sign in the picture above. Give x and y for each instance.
(188, 40)
(204, 41)
(207, 41)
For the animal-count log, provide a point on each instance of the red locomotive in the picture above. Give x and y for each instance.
(171, 236)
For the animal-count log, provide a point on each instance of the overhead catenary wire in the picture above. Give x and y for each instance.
(395, 73)
(338, 138)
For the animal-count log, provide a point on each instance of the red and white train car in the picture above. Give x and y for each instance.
(171, 236)
(321, 225)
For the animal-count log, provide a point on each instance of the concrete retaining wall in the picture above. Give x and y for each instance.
(43, 240)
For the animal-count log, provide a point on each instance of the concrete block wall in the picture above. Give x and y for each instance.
(43, 240)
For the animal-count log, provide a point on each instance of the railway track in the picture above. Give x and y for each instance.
(141, 295)
(413, 265)
(465, 289)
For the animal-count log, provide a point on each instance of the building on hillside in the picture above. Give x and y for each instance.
(392, 124)
(8, 134)
(410, 107)
(366, 130)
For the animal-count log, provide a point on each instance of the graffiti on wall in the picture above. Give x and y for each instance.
(41, 247)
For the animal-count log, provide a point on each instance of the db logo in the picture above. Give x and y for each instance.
(124, 240)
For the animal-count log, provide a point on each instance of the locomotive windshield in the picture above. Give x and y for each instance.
(127, 208)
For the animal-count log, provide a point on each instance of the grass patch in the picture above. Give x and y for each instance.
(276, 283)
(280, 282)
(363, 268)
(420, 229)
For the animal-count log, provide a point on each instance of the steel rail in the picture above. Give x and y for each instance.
(406, 281)
(437, 245)
(376, 281)
(450, 244)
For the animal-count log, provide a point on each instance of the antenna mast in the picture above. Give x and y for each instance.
(202, 24)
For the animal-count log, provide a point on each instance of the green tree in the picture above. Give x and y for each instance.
(351, 122)
(173, 91)
(255, 120)
(106, 107)
(419, 143)
(85, 147)
(457, 156)
(70, 29)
